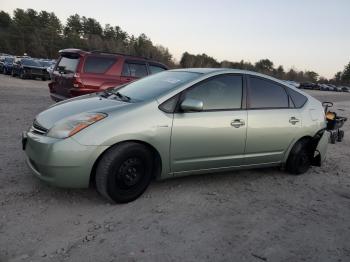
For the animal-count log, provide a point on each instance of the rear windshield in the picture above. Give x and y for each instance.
(30, 62)
(152, 86)
(68, 64)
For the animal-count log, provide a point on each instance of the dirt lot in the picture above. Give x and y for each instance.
(257, 215)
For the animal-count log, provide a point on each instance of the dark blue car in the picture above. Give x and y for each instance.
(29, 68)
(6, 65)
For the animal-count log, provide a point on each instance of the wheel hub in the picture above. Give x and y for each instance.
(130, 172)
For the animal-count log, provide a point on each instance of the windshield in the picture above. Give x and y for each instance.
(30, 62)
(155, 85)
(9, 59)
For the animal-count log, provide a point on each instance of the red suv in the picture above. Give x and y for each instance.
(78, 72)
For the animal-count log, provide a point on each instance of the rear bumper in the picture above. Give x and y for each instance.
(57, 98)
(61, 162)
(320, 145)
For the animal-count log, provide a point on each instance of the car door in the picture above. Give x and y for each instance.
(273, 122)
(214, 137)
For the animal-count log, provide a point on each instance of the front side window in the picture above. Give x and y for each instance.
(219, 93)
(266, 94)
(134, 70)
(98, 65)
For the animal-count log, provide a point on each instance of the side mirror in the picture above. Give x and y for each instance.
(61, 69)
(191, 105)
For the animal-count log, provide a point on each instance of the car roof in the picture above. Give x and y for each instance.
(214, 71)
(97, 52)
(206, 71)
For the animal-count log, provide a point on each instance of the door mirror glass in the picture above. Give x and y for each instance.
(191, 105)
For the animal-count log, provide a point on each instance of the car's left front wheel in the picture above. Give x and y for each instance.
(124, 172)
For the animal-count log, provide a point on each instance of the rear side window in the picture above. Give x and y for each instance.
(298, 99)
(219, 93)
(134, 70)
(155, 69)
(98, 65)
(266, 94)
(68, 64)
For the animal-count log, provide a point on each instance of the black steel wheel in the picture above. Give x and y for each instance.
(124, 172)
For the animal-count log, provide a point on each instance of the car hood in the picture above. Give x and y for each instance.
(96, 104)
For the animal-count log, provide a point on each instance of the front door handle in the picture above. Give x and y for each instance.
(293, 120)
(237, 123)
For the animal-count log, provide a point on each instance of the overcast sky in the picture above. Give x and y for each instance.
(305, 34)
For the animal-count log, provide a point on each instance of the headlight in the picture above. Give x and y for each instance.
(72, 125)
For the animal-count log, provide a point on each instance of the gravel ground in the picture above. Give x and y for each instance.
(256, 215)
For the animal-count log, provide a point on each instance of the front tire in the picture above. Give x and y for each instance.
(124, 172)
(299, 160)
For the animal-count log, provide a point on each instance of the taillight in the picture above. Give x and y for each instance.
(77, 81)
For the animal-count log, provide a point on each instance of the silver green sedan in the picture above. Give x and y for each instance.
(175, 123)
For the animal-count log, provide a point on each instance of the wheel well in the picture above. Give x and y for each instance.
(157, 161)
(312, 143)
(308, 140)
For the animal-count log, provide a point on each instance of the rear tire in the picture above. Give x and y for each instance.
(124, 172)
(299, 160)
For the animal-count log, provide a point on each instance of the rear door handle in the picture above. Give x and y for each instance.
(237, 123)
(293, 120)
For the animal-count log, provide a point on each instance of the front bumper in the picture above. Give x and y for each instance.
(60, 162)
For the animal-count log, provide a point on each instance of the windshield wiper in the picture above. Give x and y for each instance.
(122, 97)
(106, 93)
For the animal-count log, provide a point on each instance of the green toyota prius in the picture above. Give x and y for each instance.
(175, 123)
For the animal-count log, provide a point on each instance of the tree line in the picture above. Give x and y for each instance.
(42, 34)
(265, 66)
